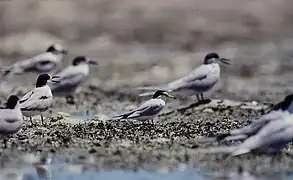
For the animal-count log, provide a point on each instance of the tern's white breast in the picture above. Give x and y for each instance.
(214, 69)
(11, 121)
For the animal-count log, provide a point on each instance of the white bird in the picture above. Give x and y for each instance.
(200, 80)
(149, 109)
(245, 132)
(38, 100)
(11, 118)
(41, 63)
(72, 77)
(271, 138)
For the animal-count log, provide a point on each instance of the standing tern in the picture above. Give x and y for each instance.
(149, 109)
(245, 132)
(38, 100)
(41, 63)
(200, 80)
(72, 77)
(11, 118)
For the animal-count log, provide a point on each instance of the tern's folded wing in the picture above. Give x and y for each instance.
(26, 97)
(35, 100)
(256, 125)
(149, 108)
(69, 79)
(192, 79)
(275, 134)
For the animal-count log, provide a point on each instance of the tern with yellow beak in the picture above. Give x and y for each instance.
(149, 109)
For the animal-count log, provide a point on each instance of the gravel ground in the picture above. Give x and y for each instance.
(169, 143)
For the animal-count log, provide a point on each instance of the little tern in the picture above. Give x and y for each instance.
(200, 80)
(72, 77)
(11, 118)
(245, 132)
(271, 138)
(41, 63)
(38, 100)
(149, 109)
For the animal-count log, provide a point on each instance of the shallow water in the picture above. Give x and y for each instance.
(58, 168)
(78, 172)
(56, 174)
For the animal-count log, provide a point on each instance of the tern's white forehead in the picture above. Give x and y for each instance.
(58, 47)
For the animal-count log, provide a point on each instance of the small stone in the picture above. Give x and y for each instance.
(254, 103)
(92, 150)
(63, 114)
(208, 110)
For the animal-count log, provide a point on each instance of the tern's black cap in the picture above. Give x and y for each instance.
(78, 60)
(42, 80)
(11, 102)
(51, 49)
(210, 56)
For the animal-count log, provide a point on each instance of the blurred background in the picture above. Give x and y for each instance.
(139, 42)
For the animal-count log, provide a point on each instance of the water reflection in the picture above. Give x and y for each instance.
(77, 173)
(83, 172)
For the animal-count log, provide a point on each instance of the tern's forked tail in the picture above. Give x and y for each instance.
(121, 116)
(6, 71)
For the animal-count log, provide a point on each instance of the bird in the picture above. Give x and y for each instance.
(38, 100)
(200, 80)
(147, 110)
(72, 77)
(42, 63)
(245, 132)
(271, 138)
(11, 118)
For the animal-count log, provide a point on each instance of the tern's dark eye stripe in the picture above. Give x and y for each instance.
(44, 97)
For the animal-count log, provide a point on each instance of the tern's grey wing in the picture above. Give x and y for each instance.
(256, 125)
(19, 67)
(26, 97)
(126, 114)
(196, 79)
(36, 100)
(44, 62)
(68, 83)
(149, 108)
(276, 133)
(45, 65)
